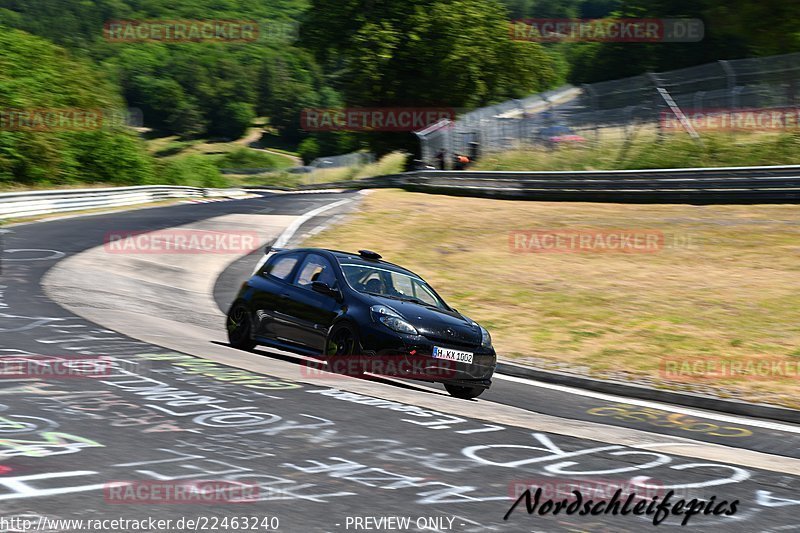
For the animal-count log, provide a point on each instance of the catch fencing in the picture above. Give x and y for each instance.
(621, 109)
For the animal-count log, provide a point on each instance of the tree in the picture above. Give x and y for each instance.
(308, 150)
(423, 53)
(234, 119)
(38, 75)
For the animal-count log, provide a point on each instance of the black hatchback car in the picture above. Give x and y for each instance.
(358, 311)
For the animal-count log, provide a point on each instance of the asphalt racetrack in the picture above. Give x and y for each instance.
(317, 451)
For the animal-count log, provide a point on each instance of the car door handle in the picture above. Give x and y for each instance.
(284, 296)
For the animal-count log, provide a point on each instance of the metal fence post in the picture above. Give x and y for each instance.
(593, 107)
(657, 103)
(2, 249)
(730, 74)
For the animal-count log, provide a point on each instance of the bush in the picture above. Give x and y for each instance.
(39, 75)
(308, 150)
(235, 119)
(112, 157)
(193, 171)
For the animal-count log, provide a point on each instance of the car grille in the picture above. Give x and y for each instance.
(453, 336)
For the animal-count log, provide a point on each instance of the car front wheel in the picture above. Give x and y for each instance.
(343, 351)
(465, 393)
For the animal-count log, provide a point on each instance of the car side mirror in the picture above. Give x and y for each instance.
(323, 288)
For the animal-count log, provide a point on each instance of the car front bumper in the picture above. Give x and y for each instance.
(411, 356)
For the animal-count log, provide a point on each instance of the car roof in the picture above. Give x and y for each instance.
(355, 258)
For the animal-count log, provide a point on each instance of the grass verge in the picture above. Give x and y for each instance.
(724, 284)
(389, 164)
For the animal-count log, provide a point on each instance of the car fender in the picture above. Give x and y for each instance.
(342, 318)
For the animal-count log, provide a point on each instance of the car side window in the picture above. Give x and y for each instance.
(281, 267)
(315, 268)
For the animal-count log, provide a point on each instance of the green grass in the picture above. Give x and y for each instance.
(167, 147)
(272, 179)
(389, 164)
(675, 150)
(272, 141)
(181, 161)
(245, 158)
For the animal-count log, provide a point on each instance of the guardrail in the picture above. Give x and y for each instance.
(35, 203)
(773, 184)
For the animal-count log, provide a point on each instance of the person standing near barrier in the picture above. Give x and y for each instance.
(441, 157)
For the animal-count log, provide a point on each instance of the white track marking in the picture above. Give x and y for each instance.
(732, 419)
(290, 230)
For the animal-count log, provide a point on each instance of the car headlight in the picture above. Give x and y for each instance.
(486, 339)
(391, 319)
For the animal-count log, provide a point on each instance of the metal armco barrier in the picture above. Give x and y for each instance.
(776, 184)
(34, 203)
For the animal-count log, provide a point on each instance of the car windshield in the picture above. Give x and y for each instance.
(391, 284)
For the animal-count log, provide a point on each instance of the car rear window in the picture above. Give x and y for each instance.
(281, 267)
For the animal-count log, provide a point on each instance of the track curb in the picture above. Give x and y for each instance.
(734, 407)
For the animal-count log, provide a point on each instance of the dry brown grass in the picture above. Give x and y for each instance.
(724, 285)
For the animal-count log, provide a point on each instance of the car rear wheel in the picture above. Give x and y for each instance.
(239, 328)
(465, 393)
(343, 351)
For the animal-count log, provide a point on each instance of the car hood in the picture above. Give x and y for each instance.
(435, 323)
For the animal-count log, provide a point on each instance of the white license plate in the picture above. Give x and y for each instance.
(452, 355)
